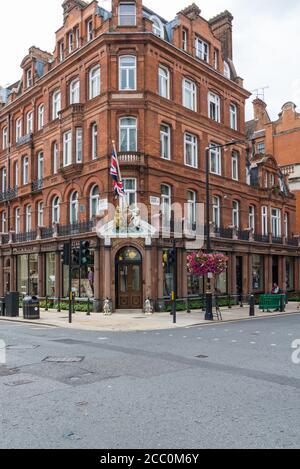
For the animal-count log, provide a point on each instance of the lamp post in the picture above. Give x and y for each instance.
(209, 309)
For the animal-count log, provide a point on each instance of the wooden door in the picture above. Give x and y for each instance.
(130, 294)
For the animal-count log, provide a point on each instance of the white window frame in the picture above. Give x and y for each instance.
(40, 211)
(130, 198)
(165, 141)
(191, 141)
(128, 128)
(202, 49)
(75, 91)
(55, 158)
(3, 222)
(61, 51)
(192, 207)
(17, 220)
(25, 168)
(235, 165)
(94, 82)
(264, 221)
(236, 213)
(70, 42)
(94, 141)
(18, 129)
(123, 15)
(184, 39)
(252, 217)
(189, 90)
(41, 116)
(40, 172)
(164, 82)
(79, 145)
(56, 210)
(94, 201)
(56, 104)
(29, 122)
(214, 107)
(127, 71)
(286, 225)
(67, 148)
(29, 80)
(74, 208)
(233, 116)
(227, 72)
(158, 27)
(166, 203)
(276, 222)
(28, 218)
(215, 152)
(16, 173)
(216, 207)
(89, 30)
(4, 179)
(4, 138)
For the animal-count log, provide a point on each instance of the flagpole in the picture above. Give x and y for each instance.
(115, 150)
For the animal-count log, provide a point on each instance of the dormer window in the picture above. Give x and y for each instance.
(70, 42)
(184, 39)
(127, 14)
(202, 50)
(158, 28)
(29, 82)
(89, 30)
(227, 73)
(61, 51)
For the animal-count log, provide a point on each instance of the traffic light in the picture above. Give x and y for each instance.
(171, 257)
(65, 255)
(85, 253)
(75, 257)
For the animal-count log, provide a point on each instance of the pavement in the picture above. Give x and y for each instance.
(230, 385)
(137, 321)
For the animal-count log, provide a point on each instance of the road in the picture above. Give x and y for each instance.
(230, 385)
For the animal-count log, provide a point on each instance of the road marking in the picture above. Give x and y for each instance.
(102, 338)
(171, 335)
(234, 341)
(253, 343)
(273, 345)
(241, 332)
(216, 340)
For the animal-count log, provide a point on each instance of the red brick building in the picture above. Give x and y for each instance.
(164, 91)
(280, 138)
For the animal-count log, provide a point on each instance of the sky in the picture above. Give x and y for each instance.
(266, 40)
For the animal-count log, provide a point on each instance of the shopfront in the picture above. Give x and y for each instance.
(83, 280)
(28, 274)
(290, 275)
(258, 274)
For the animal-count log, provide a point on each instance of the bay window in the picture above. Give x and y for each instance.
(128, 134)
(67, 148)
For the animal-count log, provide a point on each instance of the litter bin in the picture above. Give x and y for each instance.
(31, 307)
(2, 306)
(12, 305)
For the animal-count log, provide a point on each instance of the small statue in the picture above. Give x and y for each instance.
(106, 308)
(148, 307)
(135, 219)
(118, 218)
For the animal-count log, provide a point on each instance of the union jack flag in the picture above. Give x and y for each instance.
(114, 172)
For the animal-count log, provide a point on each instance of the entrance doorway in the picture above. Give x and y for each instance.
(239, 277)
(129, 279)
(275, 270)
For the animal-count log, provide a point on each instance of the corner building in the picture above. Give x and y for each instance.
(163, 91)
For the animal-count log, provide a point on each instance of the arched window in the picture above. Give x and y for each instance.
(75, 91)
(128, 134)
(29, 123)
(17, 220)
(41, 116)
(40, 167)
(74, 206)
(94, 201)
(158, 27)
(56, 105)
(40, 212)
(56, 210)
(25, 170)
(164, 82)
(94, 141)
(127, 73)
(94, 82)
(55, 162)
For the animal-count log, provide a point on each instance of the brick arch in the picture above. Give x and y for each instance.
(91, 182)
(51, 195)
(73, 187)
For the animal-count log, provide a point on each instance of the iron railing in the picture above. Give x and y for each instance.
(37, 185)
(9, 195)
(243, 235)
(47, 232)
(24, 237)
(277, 240)
(261, 238)
(226, 233)
(75, 228)
(293, 241)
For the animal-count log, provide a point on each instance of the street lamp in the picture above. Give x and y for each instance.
(209, 309)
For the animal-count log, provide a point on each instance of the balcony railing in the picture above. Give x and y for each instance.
(293, 241)
(277, 240)
(9, 195)
(261, 238)
(75, 228)
(24, 237)
(37, 185)
(226, 233)
(131, 158)
(243, 235)
(23, 140)
(47, 232)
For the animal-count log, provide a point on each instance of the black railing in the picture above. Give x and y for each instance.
(5, 239)
(24, 237)
(293, 242)
(261, 238)
(277, 240)
(75, 228)
(37, 185)
(47, 232)
(9, 195)
(243, 235)
(226, 233)
(22, 140)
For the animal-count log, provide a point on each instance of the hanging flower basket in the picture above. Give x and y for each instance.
(201, 264)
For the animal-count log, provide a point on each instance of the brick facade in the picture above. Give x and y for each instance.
(91, 37)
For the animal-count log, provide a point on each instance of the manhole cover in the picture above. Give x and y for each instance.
(63, 359)
(201, 356)
(22, 347)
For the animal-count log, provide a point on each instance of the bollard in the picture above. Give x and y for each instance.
(251, 306)
(282, 304)
(229, 302)
(89, 308)
(58, 306)
(46, 309)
